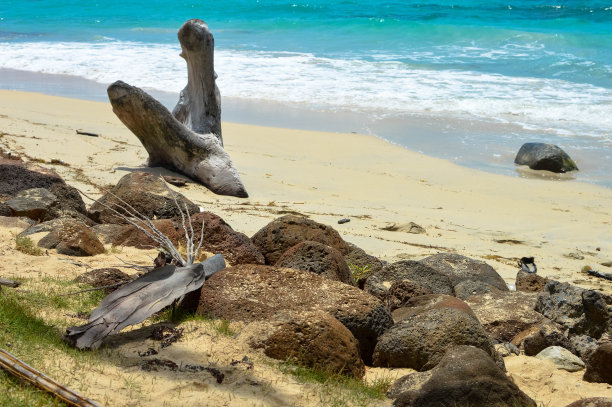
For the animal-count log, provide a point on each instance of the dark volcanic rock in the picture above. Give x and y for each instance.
(540, 336)
(131, 236)
(466, 376)
(419, 342)
(16, 176)
(542, 156)
(583, 312)
(417, 305)
(505, 314)
(317, 258)
(530, 282)
(311, 338)
(407, 270)
(469, 288)
(144, 192)
(279, 235)
(73, 238)
(592, 402)
(35, 203)
(583, 345)
(255, 293)
(401, 292)
(460, 268)
(599, 365)
(104, 277)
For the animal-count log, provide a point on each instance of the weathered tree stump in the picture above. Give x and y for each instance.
(188, 141)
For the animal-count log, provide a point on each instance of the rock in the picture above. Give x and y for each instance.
(541, 336)
(466, 376)
(279, 235)
(410, 382)
(469, 288)
(70, 203)
(16, 223)
(5, 210)
(17, 176)
(361, 264)
(530, 282)
(428, 302)
(592, 402)
(506, 349)
(317, 258)
(35, 203)
(460, 268)
(255, 293)
(407, 270)
(583, 312)
(146, 193)
(409, 227)
(419, 342)
(542, 156)
(107, 232)
(598, 365)
(562, 358)
(104, 277)
(131, 236)
(311, 338)
(73, 238)
(505, 314)
(47, 226)
(583, 345)
(401, 292)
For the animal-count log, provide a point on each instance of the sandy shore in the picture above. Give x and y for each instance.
(564, 224)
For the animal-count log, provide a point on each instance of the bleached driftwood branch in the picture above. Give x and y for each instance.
(189, 142)
(20, 369)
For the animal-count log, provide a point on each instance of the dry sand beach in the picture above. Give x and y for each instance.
(564, 224)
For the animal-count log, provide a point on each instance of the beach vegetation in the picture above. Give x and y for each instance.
(359, 272)
(25, 245)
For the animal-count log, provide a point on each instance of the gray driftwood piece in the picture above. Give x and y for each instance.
(141, 298)
(189, 141)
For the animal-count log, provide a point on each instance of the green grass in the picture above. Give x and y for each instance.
(178, 315)
(25, 245)
(338, 389)
(358, 271)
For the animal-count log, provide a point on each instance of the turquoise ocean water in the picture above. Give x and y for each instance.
(465, 80)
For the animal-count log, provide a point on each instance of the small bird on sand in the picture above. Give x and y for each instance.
(527, 264)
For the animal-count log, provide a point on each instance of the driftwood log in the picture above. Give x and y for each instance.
(9, 283)
(188, 140)
(141, 298)
(20, 369)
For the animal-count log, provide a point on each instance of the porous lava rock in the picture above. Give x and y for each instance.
(72, 238)
(466, 376)
(541, 336)
(317, 258)
(131, 236)
(363, 264)
(420, 341)
(309, 338)
(104, 277)
(505, 314)
(401, 292)
(543, 156)
(279, 235)
(582, 312)
(530, 282)
(145, 193)
(16, 176)
(599, 365)
(257, 292)
(417, 305)
(592, 402)
(407, 270)
(460, 268)
(35, 203)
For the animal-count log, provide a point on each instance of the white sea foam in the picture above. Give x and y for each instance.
(383, 85)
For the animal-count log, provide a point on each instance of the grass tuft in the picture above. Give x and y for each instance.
(25, 245)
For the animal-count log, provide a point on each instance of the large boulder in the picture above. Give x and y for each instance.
(417, 305)
(279, 235)
(256, 293)
(401, 293)
(466, 376)
(132, 236)
(592, 402)
(582, 312)
(311, 338)
(419, 342)
(16, 176)
(542, 156)
(471, 276)
(145, 193)
(407, 270)
(35, 203)
(599, 365)
(505, 314)
(317, 258)
(72, 238)
(562, 358)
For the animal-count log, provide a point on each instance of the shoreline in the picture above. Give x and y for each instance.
(471, 143)
(329, 176)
